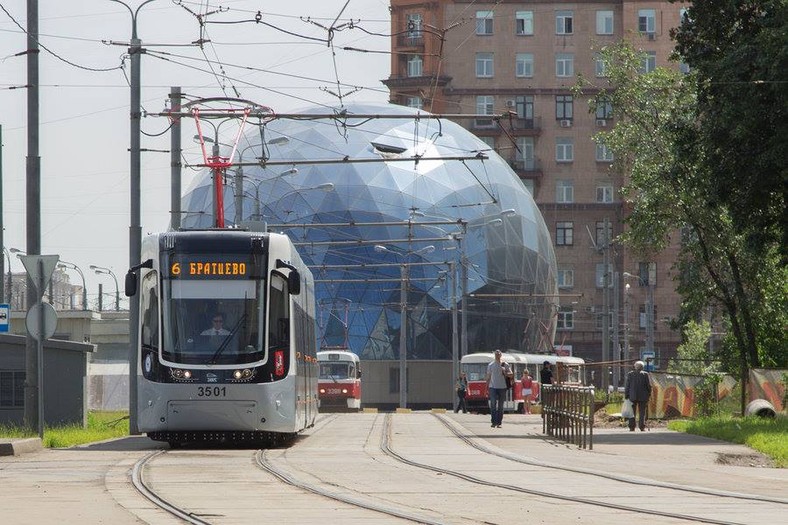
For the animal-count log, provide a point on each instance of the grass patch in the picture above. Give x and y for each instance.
(769, 436)
(101, 426)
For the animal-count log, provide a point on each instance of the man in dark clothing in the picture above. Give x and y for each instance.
(546, 374)
(637, 389)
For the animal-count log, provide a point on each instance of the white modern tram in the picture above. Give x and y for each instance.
(227, 339)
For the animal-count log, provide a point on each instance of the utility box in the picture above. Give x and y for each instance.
(65, 381)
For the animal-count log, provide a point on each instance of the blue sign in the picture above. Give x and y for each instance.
(5, 317)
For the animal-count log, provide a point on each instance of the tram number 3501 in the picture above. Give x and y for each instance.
(211, 391)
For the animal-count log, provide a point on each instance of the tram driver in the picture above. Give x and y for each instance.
(217, 326)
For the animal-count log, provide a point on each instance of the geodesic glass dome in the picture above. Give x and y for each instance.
(380, 230)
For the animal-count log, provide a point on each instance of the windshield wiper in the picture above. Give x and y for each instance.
(227, 340)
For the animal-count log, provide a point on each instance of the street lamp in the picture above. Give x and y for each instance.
(403, 385)
(326, 187)
(101, 270)
(63, 264)
(10, 276)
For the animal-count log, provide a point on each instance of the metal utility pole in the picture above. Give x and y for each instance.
(605, 302)
(2, 228)
(652, 281)
(175, 160)
(616, 330)
(403, 337)
(455, 361)
(135, 227)
(33, 199)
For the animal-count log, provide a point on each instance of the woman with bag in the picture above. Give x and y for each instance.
(462, 389)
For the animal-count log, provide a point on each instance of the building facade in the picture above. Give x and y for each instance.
(522, 59)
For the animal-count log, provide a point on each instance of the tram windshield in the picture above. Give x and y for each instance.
(337, 371)
(213, 321)
(475, 371)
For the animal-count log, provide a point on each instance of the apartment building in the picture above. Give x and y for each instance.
(522, 58)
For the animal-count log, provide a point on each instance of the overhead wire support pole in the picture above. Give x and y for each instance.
(135, 226)
(175, 160)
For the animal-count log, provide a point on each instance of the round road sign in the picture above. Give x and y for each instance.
(33, 321)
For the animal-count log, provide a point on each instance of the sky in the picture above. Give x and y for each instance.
(84, 101)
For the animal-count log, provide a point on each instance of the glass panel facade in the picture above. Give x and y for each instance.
(506, 254)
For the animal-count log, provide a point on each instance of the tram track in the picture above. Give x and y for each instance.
(606, 475)
(138, 480)
(385, 446)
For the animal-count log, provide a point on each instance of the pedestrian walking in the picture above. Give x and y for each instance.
(637, 388)
(497, 372)
(462, 390)
(527, 384)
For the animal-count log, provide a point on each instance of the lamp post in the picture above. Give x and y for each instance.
(106, 271)
(135, 226)
(7, 291)
(72, 266)
(403, 341)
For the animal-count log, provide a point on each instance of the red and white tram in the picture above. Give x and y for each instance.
(339, 383)
(566, 369)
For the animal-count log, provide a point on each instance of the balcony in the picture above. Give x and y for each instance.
(529, 168)
(399, 82)
(515, 124)
(405, 42)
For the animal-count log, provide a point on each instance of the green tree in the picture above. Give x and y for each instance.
(660, 145)
(693, 353)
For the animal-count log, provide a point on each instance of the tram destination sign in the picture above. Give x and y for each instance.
(213, 266)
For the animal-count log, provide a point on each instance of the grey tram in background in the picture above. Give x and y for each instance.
(227, 341)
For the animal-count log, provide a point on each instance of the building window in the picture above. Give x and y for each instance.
(647, 21)
(524, 105)
(484, 22)
(566, 318)
(563, 22)
(647, 272)
(563, 233)
(603, 153)
(415, 102)
(604, 110)
(524, 22)
(649, 62)
(566, 278)
(563, 107)
(601, 240)
(524, 65)
(524, 154)
(484, 65)
(564, 149)
(600, 275)
(415, 66)
(604, 193)
(604, 22)
(413, 25)
(600, 69)
(564, 65)
(644, 316)
(564, 191)
(490, 141)
(484, 106)
(12, 389)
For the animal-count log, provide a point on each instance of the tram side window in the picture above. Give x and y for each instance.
(150, 312)
(279, 312)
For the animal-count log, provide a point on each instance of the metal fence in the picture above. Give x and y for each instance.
(568, 414)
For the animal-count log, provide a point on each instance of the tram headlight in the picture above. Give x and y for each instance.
(237, 374)
(243, 375)
(344, 390)
(187, 374)
(180, 375)
(322, 390)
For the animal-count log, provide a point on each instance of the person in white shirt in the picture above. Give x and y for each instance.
(497, 372)
(217, 327)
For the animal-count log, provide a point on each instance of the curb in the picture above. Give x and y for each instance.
(16, 447)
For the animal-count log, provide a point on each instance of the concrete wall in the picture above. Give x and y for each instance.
(65, 379)
(429, 384)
